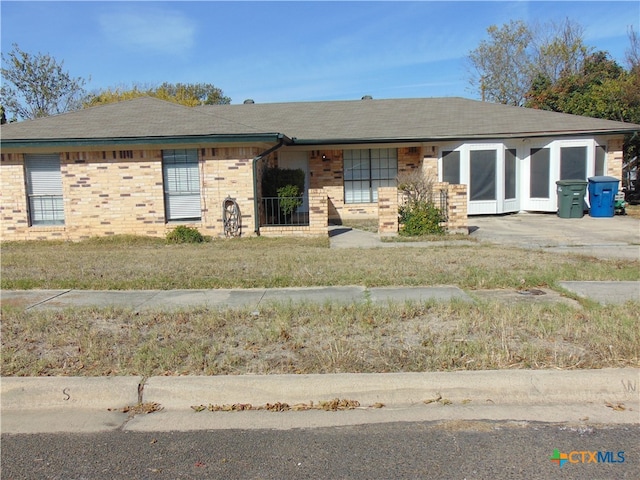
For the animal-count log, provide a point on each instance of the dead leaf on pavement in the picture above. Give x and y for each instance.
(618, 407)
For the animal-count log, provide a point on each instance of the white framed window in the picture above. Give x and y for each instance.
(573, 162)
(181, 178)
(44, 189)
(451, 167)
(510, 173)
(540, 166)
(367, 169)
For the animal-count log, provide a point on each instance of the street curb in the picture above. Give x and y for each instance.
(499, 387)
(96, 393)
(85, 404)
(496, 387)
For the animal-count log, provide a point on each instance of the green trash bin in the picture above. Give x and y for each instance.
(571, 198)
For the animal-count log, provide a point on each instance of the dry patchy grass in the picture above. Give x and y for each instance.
(144, 263)
(308, 338)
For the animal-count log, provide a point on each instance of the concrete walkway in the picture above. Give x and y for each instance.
(254, 298)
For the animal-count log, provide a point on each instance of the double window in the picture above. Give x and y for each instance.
(366, 170)
(181, 177)
(44, 189)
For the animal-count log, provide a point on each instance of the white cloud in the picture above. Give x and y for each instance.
(148, 29)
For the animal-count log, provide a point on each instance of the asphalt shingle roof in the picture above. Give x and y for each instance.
(420, 119)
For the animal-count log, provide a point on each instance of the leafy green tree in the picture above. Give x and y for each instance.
(182, 93)
(3, 116)
(37, 86)
(602, 89)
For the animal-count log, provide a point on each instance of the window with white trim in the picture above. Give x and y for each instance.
(181, 177)
(366, 170)
(540, 166)
(451, 167)
(573, 163)
(44, 189)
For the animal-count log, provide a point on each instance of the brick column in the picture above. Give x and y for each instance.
(318, 212)
(614, 157)
(387, 210)
(457, 213)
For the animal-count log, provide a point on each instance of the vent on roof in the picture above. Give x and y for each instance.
(248, 101)
(367, 97)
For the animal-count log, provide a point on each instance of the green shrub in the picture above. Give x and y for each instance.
(289, 199)
(420, 218)
(184, 234)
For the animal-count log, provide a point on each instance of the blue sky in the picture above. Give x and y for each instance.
(291, 51)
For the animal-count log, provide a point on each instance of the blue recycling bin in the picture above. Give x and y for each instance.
(602, 195)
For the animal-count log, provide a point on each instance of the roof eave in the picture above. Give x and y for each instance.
(450, 138)
(147, 140)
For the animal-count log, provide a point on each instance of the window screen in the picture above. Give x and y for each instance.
(366, 170)
(539, 169)
(573, 163)
(510, 174)
(451, 167)
(600, 156)
(44, 189)
(181, 184)
(482, 175)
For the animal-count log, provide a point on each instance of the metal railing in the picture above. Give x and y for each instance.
(276, 214)
(444, 204)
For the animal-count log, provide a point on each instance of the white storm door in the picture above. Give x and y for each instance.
(539, 194)
(483, 186)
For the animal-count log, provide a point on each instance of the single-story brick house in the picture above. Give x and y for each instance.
(144, 165)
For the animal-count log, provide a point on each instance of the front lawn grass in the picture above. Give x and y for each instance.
(309, 338)
(132, 263)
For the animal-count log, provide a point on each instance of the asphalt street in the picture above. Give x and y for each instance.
(417, 450)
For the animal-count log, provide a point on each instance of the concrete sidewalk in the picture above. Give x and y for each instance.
(255, 298)
(84, 404)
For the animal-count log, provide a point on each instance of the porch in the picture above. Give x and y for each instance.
(315, 222)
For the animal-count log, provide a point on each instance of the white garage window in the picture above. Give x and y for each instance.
(44, 189)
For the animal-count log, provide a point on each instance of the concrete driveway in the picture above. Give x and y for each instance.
(613, 237)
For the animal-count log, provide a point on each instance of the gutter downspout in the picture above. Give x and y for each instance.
(283, 140)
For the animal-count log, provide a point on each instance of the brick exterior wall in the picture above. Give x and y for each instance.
(121, 192)
(13, 195)
(326, 171)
